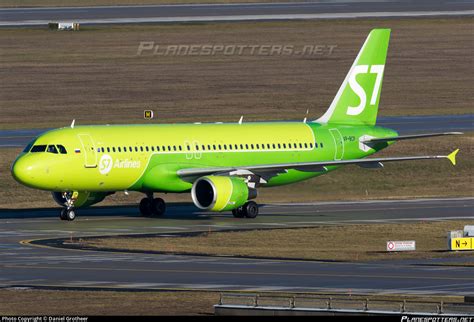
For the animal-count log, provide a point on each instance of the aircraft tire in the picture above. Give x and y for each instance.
(70, 214)
(238, 212)
(145, 207)
(251, 209)
(158, 207)
(62, 214)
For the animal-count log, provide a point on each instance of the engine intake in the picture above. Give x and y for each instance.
(220, 193)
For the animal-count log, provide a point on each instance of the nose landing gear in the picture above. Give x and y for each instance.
(68, 213)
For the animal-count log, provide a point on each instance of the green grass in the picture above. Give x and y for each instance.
(16, 302)
(95, 76)
(344, 243)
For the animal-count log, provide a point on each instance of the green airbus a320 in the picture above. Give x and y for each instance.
(221, 165)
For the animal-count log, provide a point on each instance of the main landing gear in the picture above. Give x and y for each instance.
(150, 206)
(249, 210)
(68, 213)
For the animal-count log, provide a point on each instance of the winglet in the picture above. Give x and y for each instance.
(452, 156)
(72, 123)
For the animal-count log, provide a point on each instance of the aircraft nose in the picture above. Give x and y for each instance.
(22, 171)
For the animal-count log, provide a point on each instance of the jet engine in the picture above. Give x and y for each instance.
(219, 193)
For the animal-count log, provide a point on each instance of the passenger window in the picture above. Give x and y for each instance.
(301, 146)
(108, 149)
(38, 148)
(311, 145)
(230, 146)
(174, 147)
(246, 146)
(180, 148)
(321, 145)
(119, 149)
(52, 149)
(284, 145)
(62, 149)
(225, 147)
(203, 147)
(169, 147)
(251, 146)
(279, 146)
(113, 149)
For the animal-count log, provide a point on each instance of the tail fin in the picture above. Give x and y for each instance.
(357, 101)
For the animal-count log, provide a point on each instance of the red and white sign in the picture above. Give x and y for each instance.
(401, 246)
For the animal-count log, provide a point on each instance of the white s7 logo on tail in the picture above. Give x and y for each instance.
(355, 86)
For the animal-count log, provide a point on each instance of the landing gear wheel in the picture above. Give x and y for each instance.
(62, 214)
(158, 207)
(251, 209)
(70, 214)
(145, 207)
(238, 213)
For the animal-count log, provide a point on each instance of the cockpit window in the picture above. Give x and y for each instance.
(61, 149)
(52, 149)
(28, 147)
(38, 148)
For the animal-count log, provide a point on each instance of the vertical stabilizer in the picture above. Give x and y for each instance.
(357, 100)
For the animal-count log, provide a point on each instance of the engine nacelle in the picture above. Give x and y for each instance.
(82, 198)
(220, 193)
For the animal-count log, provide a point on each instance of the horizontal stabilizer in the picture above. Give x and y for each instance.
(408, 137)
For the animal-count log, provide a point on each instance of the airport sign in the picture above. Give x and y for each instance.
(465, 243)
(401, 246)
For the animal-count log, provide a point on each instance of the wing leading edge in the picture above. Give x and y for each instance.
(269, 170)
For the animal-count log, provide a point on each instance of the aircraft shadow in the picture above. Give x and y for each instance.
(175, 211)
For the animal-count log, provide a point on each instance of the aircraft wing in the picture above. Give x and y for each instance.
(407, 137)
(270, 170)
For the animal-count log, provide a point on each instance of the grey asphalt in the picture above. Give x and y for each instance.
(235, 12)
(24, 265)
(403, 124)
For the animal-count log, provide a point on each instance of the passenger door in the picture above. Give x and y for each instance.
(90, 155)
(338, 144)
